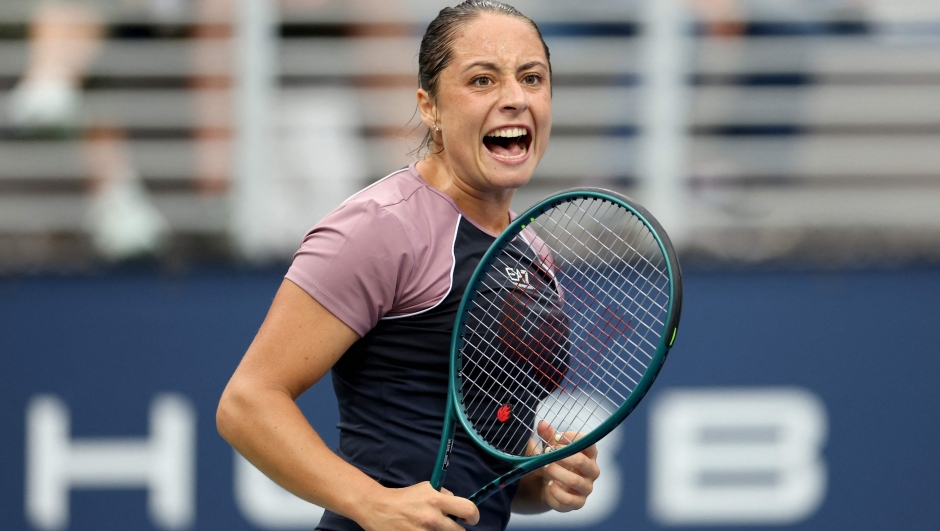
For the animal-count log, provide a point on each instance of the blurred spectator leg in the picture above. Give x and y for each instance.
(211, 87)
(121, 219)
(63, 39)
(722, 18)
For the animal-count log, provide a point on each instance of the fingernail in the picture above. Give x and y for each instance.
(550, 482)
(557, 437)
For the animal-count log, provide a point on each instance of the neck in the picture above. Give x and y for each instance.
(487, 208)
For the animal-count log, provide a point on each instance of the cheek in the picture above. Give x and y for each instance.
(462, 141)
(455, 115)
(543, 111)
(540, 105)
(464, 125)
(545, 131)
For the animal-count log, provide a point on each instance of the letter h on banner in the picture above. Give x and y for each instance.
(163, 463)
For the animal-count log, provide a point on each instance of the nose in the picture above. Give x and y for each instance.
(514, 97)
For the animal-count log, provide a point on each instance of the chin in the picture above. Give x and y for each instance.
(512, 179)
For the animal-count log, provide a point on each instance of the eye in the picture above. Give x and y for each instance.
(481, 81)
(532, 79)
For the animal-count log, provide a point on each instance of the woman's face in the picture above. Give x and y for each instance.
(493, 104)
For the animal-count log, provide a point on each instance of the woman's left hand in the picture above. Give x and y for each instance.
(566, 484)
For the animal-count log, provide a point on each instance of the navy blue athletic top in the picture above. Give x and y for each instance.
(392, 262)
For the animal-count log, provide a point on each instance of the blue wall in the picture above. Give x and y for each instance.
(866, 344)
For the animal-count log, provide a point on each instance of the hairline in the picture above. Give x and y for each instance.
(458, 27)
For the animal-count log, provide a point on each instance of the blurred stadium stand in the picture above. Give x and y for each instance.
(815, 138)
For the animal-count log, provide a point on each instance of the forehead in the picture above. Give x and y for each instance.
(496, 37)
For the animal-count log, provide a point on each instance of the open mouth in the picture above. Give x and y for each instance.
(508, 142)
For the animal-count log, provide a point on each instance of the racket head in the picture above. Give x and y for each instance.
(568, 285)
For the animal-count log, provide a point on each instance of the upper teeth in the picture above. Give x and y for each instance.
(509, 132)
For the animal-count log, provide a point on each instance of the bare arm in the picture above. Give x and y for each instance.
(297, 344)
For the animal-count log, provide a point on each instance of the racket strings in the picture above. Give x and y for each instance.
(596, 285)
(566, 410)
(632, 245)
(633, 248)
(512, 378)
(608, 322)
(571, 334)
(649, 241)
(643, 274)
(506, 384)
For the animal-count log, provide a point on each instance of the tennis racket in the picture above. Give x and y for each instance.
(567, 319)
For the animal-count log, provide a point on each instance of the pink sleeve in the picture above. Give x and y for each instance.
(354, 262)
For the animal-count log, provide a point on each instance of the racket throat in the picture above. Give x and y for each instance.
(496, 485)
(447, 445)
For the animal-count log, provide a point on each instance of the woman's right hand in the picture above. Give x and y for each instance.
(418, 507)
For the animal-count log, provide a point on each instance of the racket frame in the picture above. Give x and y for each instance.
(525, 464)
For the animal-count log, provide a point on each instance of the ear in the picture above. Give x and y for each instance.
(427, 108)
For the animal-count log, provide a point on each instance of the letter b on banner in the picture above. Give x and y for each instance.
(736, 457)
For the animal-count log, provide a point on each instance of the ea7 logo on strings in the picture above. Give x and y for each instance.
(519, 278)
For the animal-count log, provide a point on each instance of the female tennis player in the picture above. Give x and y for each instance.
(373, 292)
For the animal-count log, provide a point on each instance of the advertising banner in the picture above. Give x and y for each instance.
(791, 399)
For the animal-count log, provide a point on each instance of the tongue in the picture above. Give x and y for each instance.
(506, 149)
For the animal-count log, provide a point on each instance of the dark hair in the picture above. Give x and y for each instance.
(436, 50)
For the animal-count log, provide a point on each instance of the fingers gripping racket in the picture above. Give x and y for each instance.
(567, 320)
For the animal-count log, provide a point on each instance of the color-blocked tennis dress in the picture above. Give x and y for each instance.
(392, 263)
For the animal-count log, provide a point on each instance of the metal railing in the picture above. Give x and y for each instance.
(795, 128)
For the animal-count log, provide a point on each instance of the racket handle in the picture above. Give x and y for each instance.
(496, 485)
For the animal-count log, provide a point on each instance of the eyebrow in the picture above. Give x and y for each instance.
(492, 66)
(533, 64)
